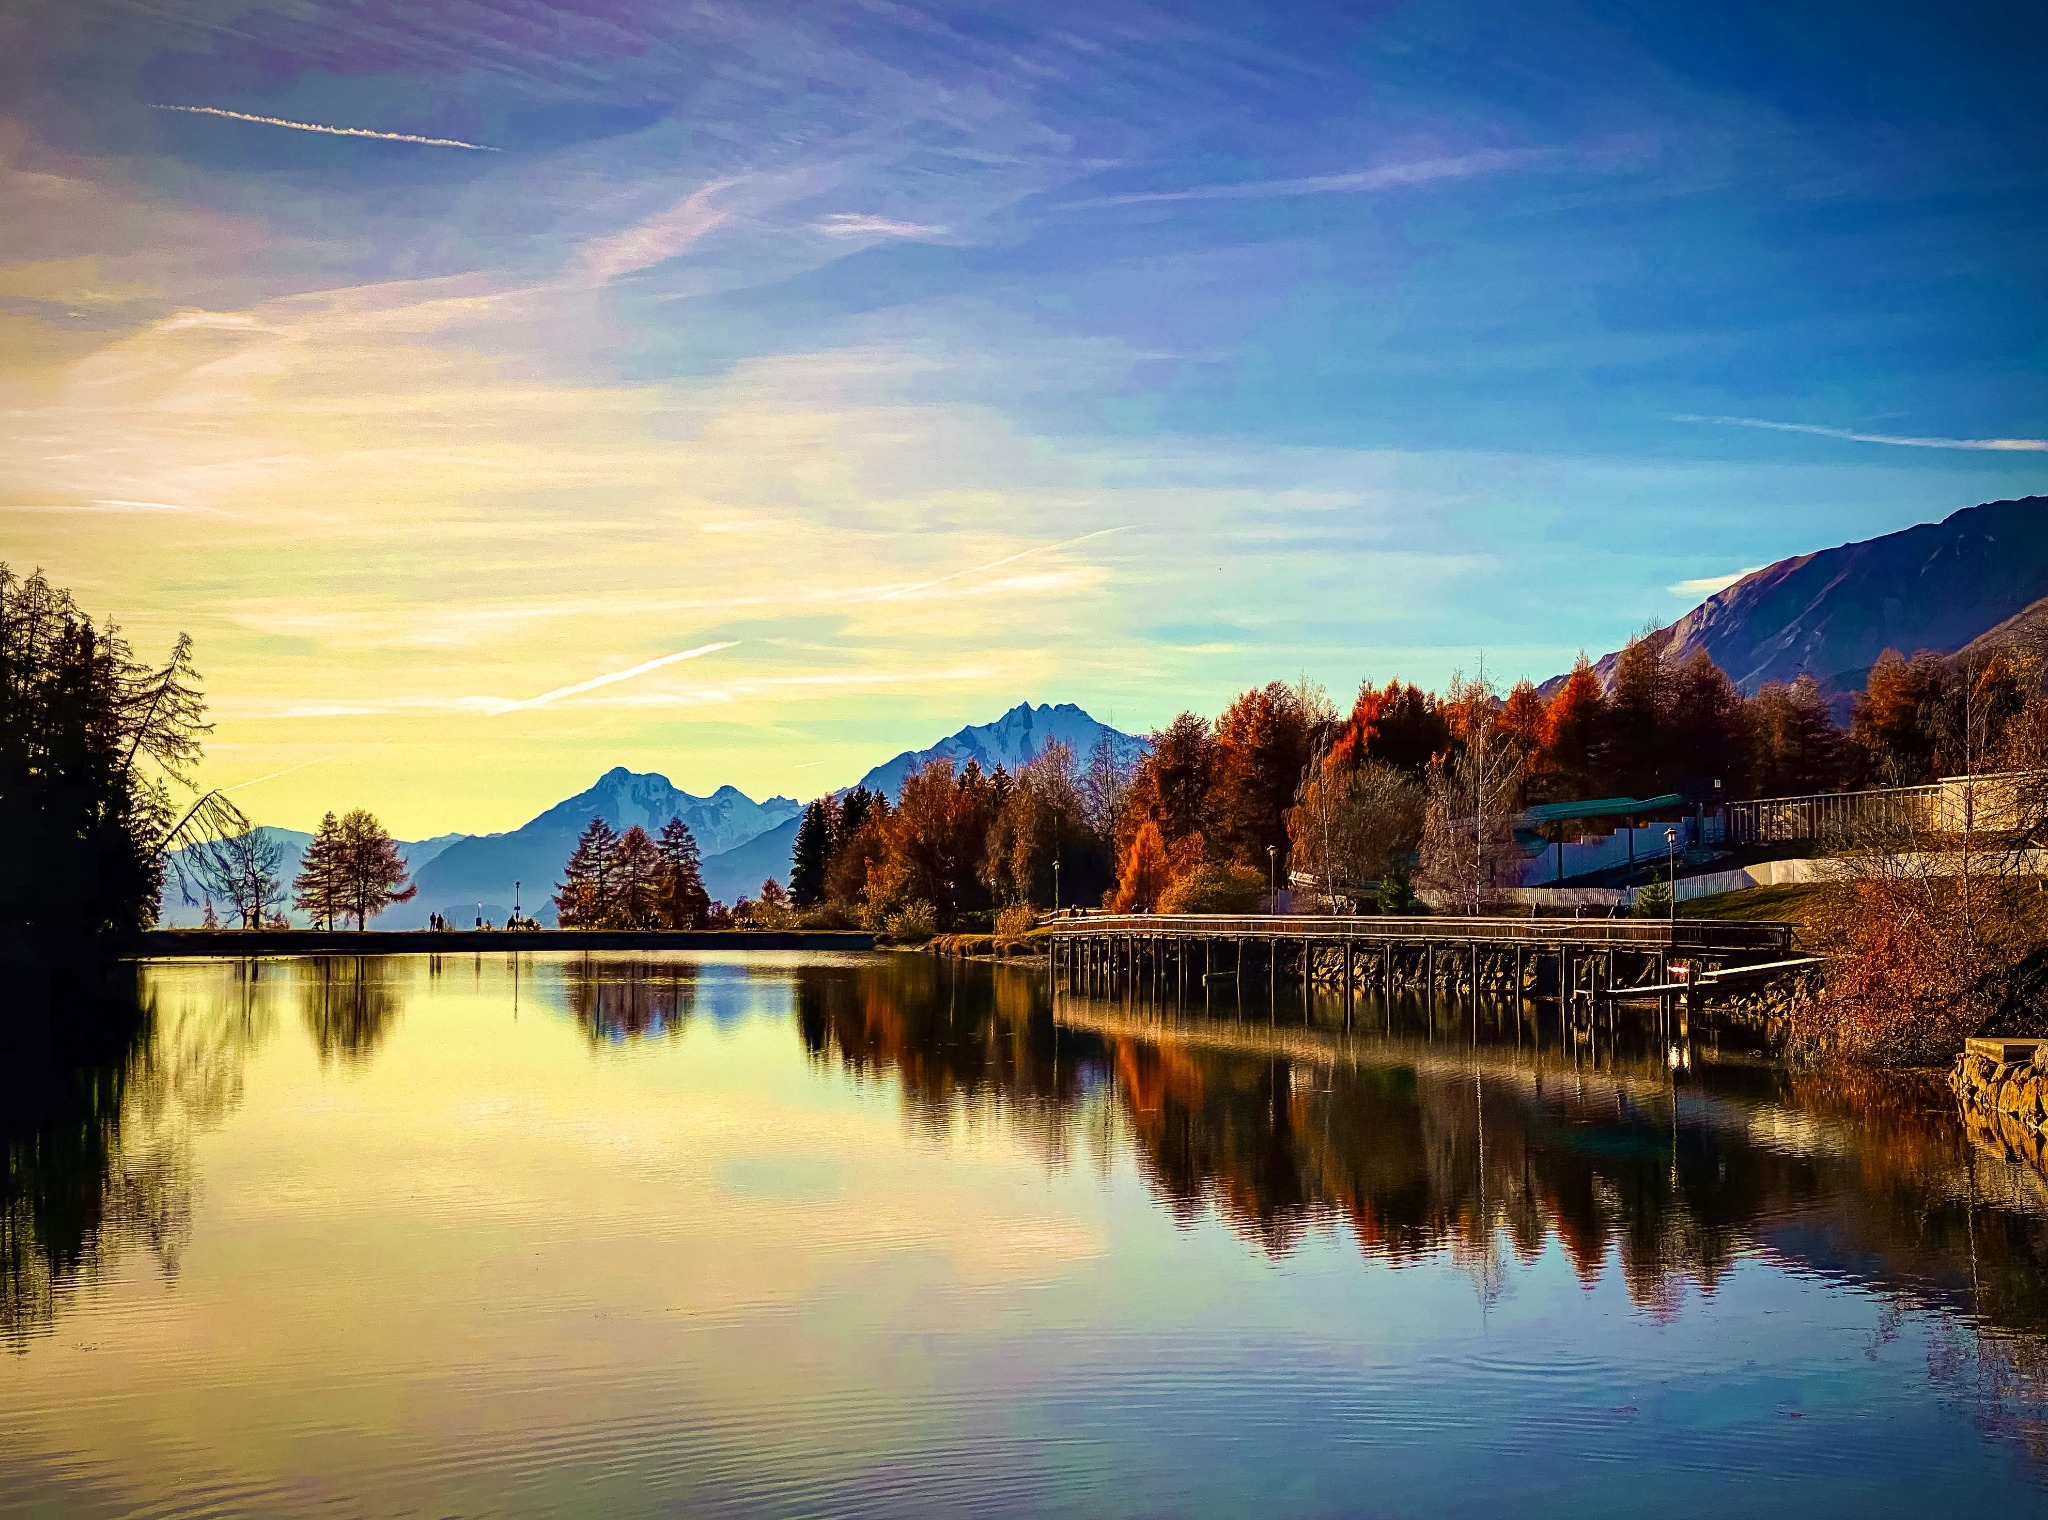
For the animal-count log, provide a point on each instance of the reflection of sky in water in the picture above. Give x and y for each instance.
(873, 1237)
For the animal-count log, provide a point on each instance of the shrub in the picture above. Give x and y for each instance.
(1395, 895)
(1015, 923)
(913, 923)
(1215, 889)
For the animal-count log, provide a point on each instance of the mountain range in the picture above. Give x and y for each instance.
(1976, 578)
(1830, 614)
(743, 841)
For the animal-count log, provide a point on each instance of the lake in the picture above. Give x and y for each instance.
(837, 1235)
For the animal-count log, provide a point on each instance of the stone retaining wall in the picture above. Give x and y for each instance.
(2005, 1102)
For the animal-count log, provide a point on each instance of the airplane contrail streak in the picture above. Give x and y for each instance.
(612, 678)
(314, 126)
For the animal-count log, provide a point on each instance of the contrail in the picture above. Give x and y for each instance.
(1992, 445)
(314, 126)
(244, 785)
(613, 678)
(994, 564)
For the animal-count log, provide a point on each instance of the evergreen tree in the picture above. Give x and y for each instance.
(811, 855)
(317, 889)
(584, 895)
(680, 900)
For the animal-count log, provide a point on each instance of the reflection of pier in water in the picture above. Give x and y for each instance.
(1569, 961)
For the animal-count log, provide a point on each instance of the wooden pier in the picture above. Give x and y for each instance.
(1176, 956)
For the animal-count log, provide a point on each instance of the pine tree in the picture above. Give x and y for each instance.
(317, 889)
(811, 855)
(680, 899)
(584, 895)
(371, 873)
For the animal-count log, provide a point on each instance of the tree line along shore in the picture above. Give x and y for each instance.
(1408, 797)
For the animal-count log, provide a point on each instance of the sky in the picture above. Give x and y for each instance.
(747, 392)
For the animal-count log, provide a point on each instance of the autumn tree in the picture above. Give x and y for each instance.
(1794, 745)
(1264, 741)
(1105, 786)
(860, 843)
(680, 901)
(1351, 826)
(371, 872)
(1042, 822)
(636, 885)
(1145, 872)
(1572, 729)
(1468, 848)
(1174, 784)
(1704, 723)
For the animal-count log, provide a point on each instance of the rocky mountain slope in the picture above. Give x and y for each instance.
(1011, 741)
(1831, 613)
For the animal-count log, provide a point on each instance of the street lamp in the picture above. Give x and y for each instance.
(515, 904)
(1055, 884)
(1273, 875)
(1671, 854)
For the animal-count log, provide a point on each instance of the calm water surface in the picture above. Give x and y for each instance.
(810, 1235)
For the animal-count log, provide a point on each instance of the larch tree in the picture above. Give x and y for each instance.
(1146, 872)
(636, 882)
(372, 872)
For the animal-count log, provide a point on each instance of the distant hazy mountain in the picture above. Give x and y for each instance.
(739, 872)
(175, 913)
(1014, 738)
(1830, 614)
(483, 867)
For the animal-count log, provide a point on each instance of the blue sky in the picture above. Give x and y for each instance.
(898, 362)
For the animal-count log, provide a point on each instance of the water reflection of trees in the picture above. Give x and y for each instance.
(614, 1000)
(349, 1003)
(98, 1103)
(962, 1047)
(1482, 1153)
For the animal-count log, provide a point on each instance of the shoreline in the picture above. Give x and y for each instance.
(158, 944)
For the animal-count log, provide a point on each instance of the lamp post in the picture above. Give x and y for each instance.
(1671, 855)
(1055, 884)
(515, 904)
(1273, 875)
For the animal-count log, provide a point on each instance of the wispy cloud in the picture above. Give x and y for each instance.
(1356, 182)
(1848, 435)
(1707, 585)
(106, 505)
(657, 239)
(848, 224)
(314, 126)
(612, 678)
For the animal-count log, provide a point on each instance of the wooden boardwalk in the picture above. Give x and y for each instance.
(1597, 960)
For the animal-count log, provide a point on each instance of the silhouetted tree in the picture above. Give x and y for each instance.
(589, 880)
(811, 855)
(680, 900)
(371, 872)
(317, 889)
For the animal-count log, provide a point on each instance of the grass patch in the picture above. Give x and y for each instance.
(1793, 903)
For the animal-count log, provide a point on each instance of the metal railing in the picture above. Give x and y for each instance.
(1823, 815)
